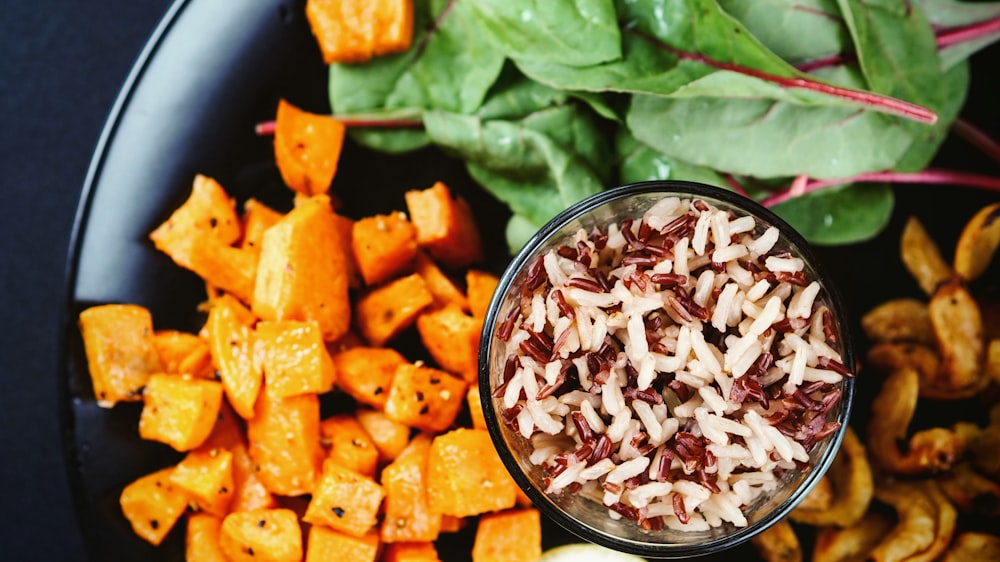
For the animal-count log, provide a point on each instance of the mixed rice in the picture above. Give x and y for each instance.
(672, 367)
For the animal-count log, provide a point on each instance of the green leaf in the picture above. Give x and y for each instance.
(519, 98)
(796, 30)
(766, 139)
(450, 66)
(537, 166)
(519, 230)
(571, 32)
(928, 140)
(841, 214)
(640, 162)
(953, 13)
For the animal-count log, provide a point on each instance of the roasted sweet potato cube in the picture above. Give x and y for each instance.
(344, 500)
(445, 226)
(228, 433)
(153, 504)
(366, 373)
(479, 286)
(295, 358)
(442, 287)
(424, 398)
(475, 404)
(230, 269)
(408, 516)
(410, 552)
(350, 32)
(348, 444)
(306, 148)
(207, 214)
(509, 536)
(327, 545)
(390, 436)
(231, 339)
(345, 226)
(257, 218)
(183, 353)
(121, 353)
(207, 477)
(452, 524)
(264, 534)
(386, 311)
(301, 274)
(284, 442)
(384, 246)
(201, 543)
(179, 410)
(465, 475)
(452, 338)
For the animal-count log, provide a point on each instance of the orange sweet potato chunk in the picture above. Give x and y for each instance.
(182, 353)
(153, 504)
(301, 274)
(201, 543)
(284, 442)
(384, 312)
(179, 410)
(475, 405)
(384, 246)
(366, 373)
(307, 148)
(208, 214)
(121, 353)
(257, 218)
(390, 436)
(231, 339)
(445, 226)
(509, 536)
(424, 398)
(351, 32)
(480, 286)
(408, 516)
(348, 444)
(345, 227)
(207, 477)
(295, 359)
(230, 269)
(442, 288)
(465, 475)
(452, 338)
(344, 500)
(266, 534)
(327, 545)
(228, 433)
(410, 552)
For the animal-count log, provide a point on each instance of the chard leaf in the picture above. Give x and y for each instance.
(537, 166)
(570, 32)
(927, 141)
(640, 162)
(796, 30)
(450, 66)
(519, 230)
(765, 139)
(840, 214)
(954, 13)
(520, 98)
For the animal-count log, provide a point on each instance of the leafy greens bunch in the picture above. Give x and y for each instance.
(792, 102)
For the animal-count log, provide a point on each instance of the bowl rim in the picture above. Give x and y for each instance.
(539, 499)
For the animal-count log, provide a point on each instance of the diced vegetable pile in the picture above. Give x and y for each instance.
(303, 305)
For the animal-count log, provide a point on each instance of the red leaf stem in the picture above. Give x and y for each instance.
(977, 138)
(928, 176)
(949, 37)
(874, 101)
(735, 185)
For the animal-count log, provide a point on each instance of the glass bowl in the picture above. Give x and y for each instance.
(644, 519)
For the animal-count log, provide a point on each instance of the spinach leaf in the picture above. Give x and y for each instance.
(796, 30)
(519, 230)
(928, 140)
(945, 14)
(570, 32)
(450, 66)
(764, 138)
(640, 162)
(537, 166)
(839, 214)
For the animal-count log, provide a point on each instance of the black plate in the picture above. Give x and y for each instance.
(210, 72)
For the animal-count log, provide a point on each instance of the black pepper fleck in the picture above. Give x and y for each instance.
(338, 511)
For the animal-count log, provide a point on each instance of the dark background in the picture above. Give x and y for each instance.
(62, 63)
